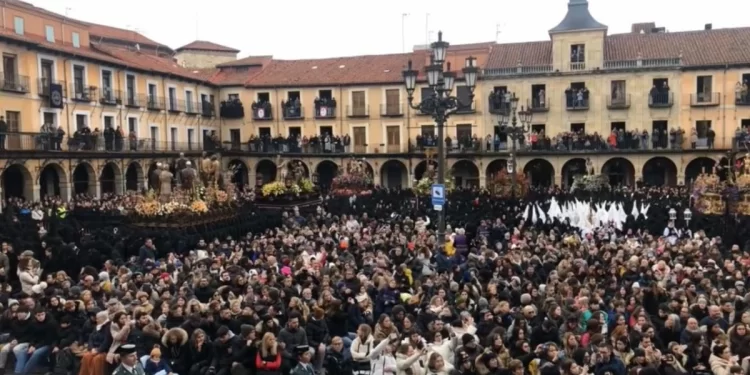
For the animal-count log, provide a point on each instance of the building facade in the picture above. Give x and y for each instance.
(90, 108)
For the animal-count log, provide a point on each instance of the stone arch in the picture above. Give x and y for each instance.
(84, 179)
(110, 179)
(53, 181)
(134, 178)
(660, 171)
(393, 174)
(326, 171)
(620, 171)
(465, 173)
(572, 168)
(17, 182)
(494, 167)
(421, 168)
(697, 166)
(540, 172)
(265, 172)
(241, 176)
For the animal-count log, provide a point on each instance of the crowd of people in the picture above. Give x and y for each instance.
(365, 285)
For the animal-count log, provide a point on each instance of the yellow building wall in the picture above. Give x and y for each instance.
(594, 49)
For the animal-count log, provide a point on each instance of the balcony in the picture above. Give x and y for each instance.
(538, 105)
(705, 99)
(393, 149)
(499, 103)
(192, 108)
(14, 83)
(89, 143)
(466, 109)
(155, 103)
(618, 102)
(325, 111)
(108, 96)
(360, 149)
(175, 105)
(577, 66)
(82, 94)
(660, 100)
(262, 111)
(132, 100)
(574, 102)
(392, 110)
(358, 111)
(43, 86)
(231, 109)
(292, 111)
(742, 99)
(208, 109)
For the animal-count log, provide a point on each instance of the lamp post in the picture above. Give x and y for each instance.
(441, 103)
(687, 214)
(515, 124)
(672, 214)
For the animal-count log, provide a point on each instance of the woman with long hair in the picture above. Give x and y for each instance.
(436, 365)
(721, 360)
(364, 350)
(199, 353)
(407, 360)
(385, 329)
(268, 359)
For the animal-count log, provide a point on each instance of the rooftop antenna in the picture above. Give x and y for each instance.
(498, 30)
(403, 32)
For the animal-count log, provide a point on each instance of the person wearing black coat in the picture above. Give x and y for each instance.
(244, 351)
(317, 335)
(20, 333)
(200, 353)
(336, 360)
(43, 339)
(221, 363)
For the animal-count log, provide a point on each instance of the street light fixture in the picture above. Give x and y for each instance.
(672, 214)
(688, 215)
(441, 104)
(515, 124)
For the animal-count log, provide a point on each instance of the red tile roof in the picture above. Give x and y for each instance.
(40, 41)
(202, 45)
(97, 31)
(248, 61)
(150, 63)
(374, 69)
(527, 54)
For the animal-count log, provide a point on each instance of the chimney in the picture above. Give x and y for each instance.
(708, 26)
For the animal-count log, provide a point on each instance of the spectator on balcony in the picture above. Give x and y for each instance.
(644, 140)
(693, 138)
(109, 138)
(133, 140)
(119, 136)
(612, 139)
(710, 136)
(676, 138)
(448, 142)
(347, 141)
(3, 131)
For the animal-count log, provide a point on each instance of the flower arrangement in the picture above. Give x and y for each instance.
(423, 186)
(306, 186)
(273, 189)
(222, 197)
(199, 207)
(147, 208)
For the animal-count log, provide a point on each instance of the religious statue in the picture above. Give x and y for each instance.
(179, 165)
(430, 172)
(187, 176)
(298, 171)
(153, 178)
(165, 181)
(589, 167)
(206, 170)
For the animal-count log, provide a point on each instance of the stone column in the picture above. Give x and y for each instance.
(482, 181)
(66, 191)
(36, 193)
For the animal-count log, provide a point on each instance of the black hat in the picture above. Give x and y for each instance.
(301, 349)
(222, 331)
(126, 349)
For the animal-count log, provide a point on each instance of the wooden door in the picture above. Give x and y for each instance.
(359, 105)
(360, 139)
(392, 102)
(13, 119)
(393, 138)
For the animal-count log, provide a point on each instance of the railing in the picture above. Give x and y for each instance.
(109, 96)
(43, 86)
(325, 111)
(672, 62)
(577, 66)
(660, 99)
(360, 149)
(517, 70)
(358, 111)
(573, 103)
(466, 109)
(82, 93)
(134, 100)
(618, 102)
(155, 103)
(53, 142)
(742, 99)
(208, 109)
(262, 111)
(538, 104)
(232, 109)
(392, 110)
(175, 105)
(705, 99)
(14, 83)
(293, 112)
(192, 107)
(498, 105)
(393, 149)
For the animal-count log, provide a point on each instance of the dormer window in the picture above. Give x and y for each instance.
(577, 53)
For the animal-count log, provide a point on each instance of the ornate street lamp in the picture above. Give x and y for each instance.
(688, 215)
(672, 214)
(441, 103)
(515, 124)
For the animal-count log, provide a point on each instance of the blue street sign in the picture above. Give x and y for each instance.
(438, 194)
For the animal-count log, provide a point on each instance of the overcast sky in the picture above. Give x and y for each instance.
(290, 29)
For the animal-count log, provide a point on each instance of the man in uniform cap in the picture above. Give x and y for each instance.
(129, 363)
(304, 356)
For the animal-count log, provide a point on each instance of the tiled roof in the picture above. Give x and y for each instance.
(233, 76)
(108, 32)
(150, 63)
(40, 41)
(697, 48)
(374, 69)
(248, 61)
(202, 45)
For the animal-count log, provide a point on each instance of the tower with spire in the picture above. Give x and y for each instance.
(578, 40)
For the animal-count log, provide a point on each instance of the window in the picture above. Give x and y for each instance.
(79, 77)
(393, 138)
(264, 132)
(18, 25)
(618, 89)
(326, 130)
(359, 104)
(463, 133)
(76, 40)
(704, 89)
(10, 71)
(130, 86)
(392, 102)
(152, 91)
(231, 97)
(426, 92)
(293, 96)
(81, 121)
(50, 33)
(538, 96)
(13, 119)
(50, 118)
(133, 125)
(189, 100)
(263, 97)
(578, 127)
(325, 94)
(173, 98)
(428, 130)
(702, 128)
(577, 53)
(619, 126)
(109, 122)
(359, 139)
(745, 123)
(190, 138)
(234, 138)
(296, 131)
(154, 133)
(173, 138)
(464, 95)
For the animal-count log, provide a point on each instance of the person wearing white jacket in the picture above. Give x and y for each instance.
(385, 364)
(364, 351)
(409, 359)
(444, 347)
(437, 365)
